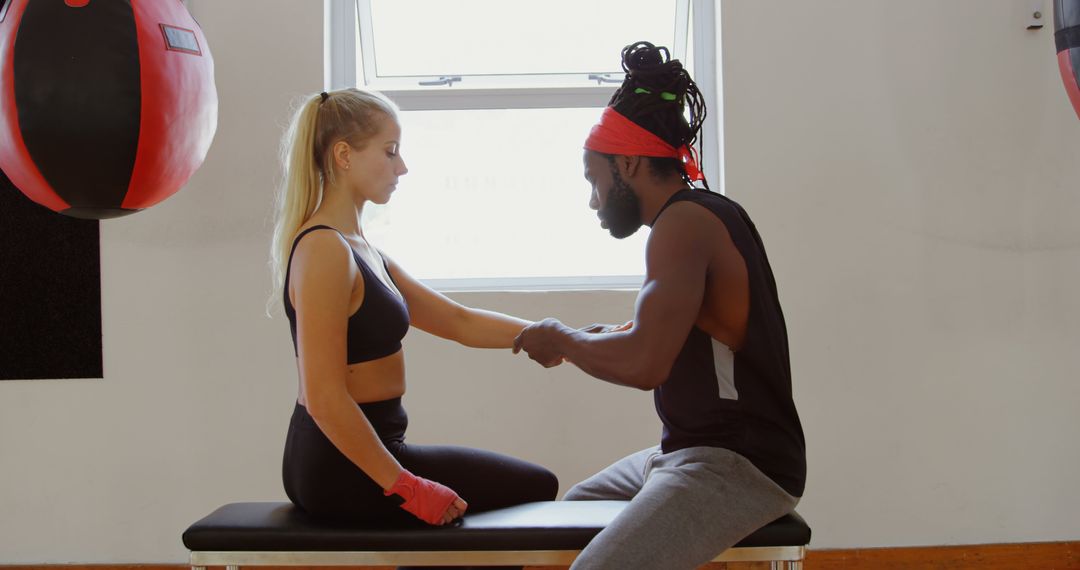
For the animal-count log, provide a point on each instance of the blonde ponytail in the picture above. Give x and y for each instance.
(301, 189)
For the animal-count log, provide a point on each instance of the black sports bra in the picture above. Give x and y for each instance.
(377, 327)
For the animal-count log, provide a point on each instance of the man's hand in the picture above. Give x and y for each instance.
(540, 341)
(601, 329)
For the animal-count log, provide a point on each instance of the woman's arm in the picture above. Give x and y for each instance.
(439, 315)
(323, 274)
(323, 278)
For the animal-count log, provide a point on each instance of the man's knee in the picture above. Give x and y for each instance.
(580, 492)
(598, 489)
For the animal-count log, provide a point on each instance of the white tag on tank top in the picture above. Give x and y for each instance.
(724, 367)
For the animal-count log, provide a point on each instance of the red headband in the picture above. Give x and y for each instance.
(615, 134)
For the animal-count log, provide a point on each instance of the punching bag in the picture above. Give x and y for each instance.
(1067, 39)
(107, 107)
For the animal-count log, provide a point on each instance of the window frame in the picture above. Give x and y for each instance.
(343, 28)
(514, 85)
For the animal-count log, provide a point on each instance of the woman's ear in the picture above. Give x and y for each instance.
(340, 153)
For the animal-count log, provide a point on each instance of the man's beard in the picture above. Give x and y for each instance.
(622, 212)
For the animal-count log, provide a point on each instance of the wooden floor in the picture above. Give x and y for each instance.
(1042, 556)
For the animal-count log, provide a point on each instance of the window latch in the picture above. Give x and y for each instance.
(601, 78)
(447, 80)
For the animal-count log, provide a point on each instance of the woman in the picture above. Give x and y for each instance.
(349, 307)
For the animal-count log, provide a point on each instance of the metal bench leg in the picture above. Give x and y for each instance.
(232, 567)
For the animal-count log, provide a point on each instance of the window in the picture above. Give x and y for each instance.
(499, 43)
(497, 98)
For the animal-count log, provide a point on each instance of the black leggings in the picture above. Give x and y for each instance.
(323, 482)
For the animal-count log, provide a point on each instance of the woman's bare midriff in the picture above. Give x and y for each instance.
(374, 380)
(377, 380)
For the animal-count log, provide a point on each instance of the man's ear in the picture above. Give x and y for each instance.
(629, 166)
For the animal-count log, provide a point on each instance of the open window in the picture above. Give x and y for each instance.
(497, 98)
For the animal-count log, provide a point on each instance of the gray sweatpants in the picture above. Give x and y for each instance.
(685, 508)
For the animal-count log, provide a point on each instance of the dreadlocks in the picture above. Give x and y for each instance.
(655, 94)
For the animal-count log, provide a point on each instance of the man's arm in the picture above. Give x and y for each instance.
(676, 259)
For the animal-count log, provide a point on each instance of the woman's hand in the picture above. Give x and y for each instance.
(429, 501)
(455, 510)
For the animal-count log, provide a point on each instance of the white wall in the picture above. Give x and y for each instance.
(910, 166)
(913, 169)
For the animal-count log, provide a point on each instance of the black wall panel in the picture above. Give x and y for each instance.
(50, 291)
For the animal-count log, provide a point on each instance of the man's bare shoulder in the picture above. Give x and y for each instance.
(687, 220)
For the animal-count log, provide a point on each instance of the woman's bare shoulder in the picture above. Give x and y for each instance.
(321, 254)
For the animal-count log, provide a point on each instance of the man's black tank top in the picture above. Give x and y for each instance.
(375, 330)
(738, 400)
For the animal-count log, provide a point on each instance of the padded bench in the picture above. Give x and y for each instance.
(544, 533)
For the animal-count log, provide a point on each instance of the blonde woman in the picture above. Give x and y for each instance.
(349, 307)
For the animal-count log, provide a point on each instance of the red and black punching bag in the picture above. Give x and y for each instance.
(1067, 38)
(107, 107)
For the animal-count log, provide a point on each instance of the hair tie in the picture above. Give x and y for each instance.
(666, 96)
(324, 96)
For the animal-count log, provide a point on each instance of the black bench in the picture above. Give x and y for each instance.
(545, 533)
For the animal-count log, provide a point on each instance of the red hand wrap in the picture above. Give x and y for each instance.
(426, 499)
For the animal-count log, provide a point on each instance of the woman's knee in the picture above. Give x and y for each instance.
(549, 486)
(541, 485)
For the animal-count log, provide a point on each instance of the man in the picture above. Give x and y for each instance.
(708, 338)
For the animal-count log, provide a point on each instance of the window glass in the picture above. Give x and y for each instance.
(485, 37)
(498, 193)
